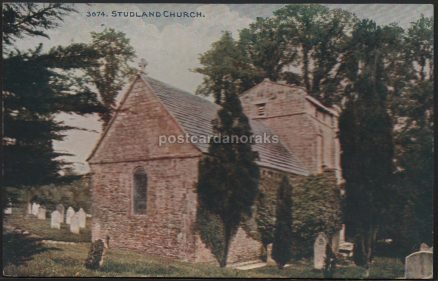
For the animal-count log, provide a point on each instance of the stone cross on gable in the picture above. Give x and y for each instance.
(142, 66)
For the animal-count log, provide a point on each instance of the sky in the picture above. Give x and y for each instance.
(172, 46)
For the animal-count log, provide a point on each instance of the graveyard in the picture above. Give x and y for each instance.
(33, 248)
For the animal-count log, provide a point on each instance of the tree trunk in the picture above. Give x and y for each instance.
(306, 69)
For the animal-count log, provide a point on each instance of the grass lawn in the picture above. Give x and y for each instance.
(26, 255)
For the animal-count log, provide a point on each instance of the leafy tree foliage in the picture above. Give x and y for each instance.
(281, 248)
(110, 74)
(302, 44)
(228, 180)
(224, 61)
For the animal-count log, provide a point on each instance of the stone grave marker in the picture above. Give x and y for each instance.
(269, 259)
(419, 265)
(8, 211)
(424, 247)
(35, 208)
(342, 234)
(319, 247)
(70, 213)
(74, 224)
(82, 218)
(41, 213)
(55, 220)
(29, 208)
(61, 209)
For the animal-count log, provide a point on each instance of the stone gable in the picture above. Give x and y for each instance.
(134, 132)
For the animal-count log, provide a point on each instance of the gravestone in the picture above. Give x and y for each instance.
(41, 213)
(319, 248)
(269, 259)
(29, 208)
(35, 208)
(61, 209)
(82, 218)
(424, 247)
(55, 220)
(70, 213)
(74, 224)
(8, 211)
(419, 265)
(342, 234)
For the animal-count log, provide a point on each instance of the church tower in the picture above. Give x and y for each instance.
(305, 126)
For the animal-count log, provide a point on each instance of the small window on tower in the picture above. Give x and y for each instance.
(261, 109)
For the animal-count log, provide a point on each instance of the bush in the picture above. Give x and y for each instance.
(317, 208)
(75, 194)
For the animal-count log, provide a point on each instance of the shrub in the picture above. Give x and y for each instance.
(317, 208)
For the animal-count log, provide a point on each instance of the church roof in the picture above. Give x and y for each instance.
(195, 114)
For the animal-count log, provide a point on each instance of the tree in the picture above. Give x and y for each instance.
(225, 59)
(31, 19)
(110, 74)
(228, 175)
(412, 108)
(366, 142)
(281, 248)
(311, 38)
(36, 86)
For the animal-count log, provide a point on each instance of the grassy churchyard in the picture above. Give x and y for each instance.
(30, 254)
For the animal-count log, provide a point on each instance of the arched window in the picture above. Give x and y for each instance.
(140, 191)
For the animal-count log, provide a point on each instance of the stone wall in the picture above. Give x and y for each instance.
(166, 228)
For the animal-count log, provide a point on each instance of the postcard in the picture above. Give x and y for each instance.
(218, 140)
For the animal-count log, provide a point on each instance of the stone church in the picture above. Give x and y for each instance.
(144, 194)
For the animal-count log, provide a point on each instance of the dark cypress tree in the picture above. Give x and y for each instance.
(366, 142)
(281, 248)
(229, 176)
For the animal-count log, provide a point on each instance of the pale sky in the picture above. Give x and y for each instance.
(172, 45)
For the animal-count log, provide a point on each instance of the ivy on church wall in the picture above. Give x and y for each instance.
(316, 208)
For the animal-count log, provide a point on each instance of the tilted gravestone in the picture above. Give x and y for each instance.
(419, 265)
(82, 218)
(319, 248)
(61, 209)
(74, 224)
(41, 213)
(96, 255)
(70, 213)
(55, 220)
